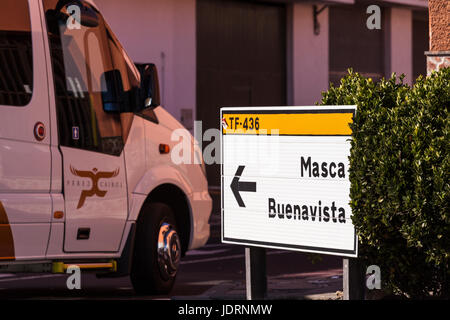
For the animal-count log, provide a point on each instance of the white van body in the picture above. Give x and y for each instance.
(63, 204)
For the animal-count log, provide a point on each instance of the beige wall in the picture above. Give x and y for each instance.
(162, 32)
(400, 42)
(308, 69)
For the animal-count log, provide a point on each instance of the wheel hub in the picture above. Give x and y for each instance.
(169, 251)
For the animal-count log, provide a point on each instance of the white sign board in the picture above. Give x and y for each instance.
(285, 179)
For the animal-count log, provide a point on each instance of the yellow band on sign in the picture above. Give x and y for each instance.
(304, 123)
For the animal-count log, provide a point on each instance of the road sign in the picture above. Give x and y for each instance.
(285, 178)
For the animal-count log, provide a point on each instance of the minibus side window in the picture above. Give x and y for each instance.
(81, 57)
(16, 54)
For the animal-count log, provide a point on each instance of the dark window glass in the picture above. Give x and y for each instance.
(16, 54)
(420, 40)
(82, 60)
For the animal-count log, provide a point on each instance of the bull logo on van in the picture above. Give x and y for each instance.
(95, 176)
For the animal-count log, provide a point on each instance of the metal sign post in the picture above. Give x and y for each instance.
(255, 273)
(353, 280)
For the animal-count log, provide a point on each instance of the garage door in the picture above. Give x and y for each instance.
(353, 45)
(241, 59)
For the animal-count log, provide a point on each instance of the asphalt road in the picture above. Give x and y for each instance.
(201, 272)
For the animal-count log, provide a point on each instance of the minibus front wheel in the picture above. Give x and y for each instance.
(157, 250)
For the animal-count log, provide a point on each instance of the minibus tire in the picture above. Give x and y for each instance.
(149, 272)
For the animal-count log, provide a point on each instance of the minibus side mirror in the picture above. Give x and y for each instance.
(149, 94)
(112, 91)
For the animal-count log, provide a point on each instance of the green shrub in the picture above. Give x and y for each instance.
(399, 173)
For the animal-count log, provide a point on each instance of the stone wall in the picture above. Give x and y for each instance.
(437, 60)
(439, 25)
(439, 55)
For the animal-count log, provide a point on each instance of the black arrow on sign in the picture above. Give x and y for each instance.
(237, 186)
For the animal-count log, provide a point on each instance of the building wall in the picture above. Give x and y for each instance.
(162, 32)
(399, 44)
(308, 66)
